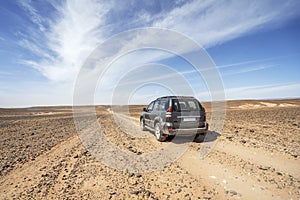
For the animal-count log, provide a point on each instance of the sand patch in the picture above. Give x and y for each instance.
(287, 105)
(269, 104)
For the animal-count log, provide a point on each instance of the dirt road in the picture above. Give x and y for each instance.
(255, 157)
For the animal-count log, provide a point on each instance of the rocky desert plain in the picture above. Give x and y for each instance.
(255, 156)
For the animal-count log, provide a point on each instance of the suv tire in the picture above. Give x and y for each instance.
(158, 133)
(198, 135)
(142, 124)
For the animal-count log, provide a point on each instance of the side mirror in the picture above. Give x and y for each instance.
(145, 109)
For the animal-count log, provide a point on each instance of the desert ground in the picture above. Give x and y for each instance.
(255, 156)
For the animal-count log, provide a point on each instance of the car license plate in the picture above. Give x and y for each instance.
(189, 119)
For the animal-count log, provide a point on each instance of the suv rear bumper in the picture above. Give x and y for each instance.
(169, 130)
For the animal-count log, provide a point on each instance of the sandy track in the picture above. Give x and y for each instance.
(262, 158)
(246, 163)
(246, 173)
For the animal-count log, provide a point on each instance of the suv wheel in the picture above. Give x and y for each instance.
(197, 136)
(158, 133)
(142, 124)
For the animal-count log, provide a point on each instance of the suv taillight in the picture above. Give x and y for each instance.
(169, 112)
(203, 109)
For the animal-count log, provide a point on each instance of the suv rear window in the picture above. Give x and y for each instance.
(185, 105)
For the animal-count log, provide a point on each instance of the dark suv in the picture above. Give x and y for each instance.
(167, 116)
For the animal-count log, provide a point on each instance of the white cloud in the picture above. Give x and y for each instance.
(249, 69)
(265, 92)
(33, 13)
(214, 22)
(73, 34)
(66, 38)
(284, 90)
(2, 73)
(35, 93)
(247, 62)
(80, 26)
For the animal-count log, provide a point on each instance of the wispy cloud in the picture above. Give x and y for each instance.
(79, 26)
(270, 91)
(2, 73)
(73, 33)
(33, 13)
(248, 69)
(287, 90)
(214, 22)
(245, 62)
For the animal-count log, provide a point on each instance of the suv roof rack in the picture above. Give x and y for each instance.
(175, 97)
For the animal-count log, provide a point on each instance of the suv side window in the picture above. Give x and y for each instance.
(150, 107)
(163, 105)
(156, 105)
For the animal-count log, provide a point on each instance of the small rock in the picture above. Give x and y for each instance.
(134, 183)
(243, 141)
(229, 138)
(76, 156)
(108, 187)
(112, 193)
(232, 192)
(263, 167)
(138, 175)
(148, 193)
(45, 175)
(179, 190)
(135, 192)
(295, 155)
(279, 173)
(85, 153)
(5, 166)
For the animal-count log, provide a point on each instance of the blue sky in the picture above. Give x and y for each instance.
(43, 44)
